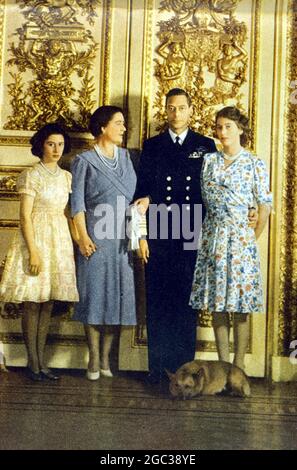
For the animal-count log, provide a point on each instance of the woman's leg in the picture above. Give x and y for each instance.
(30, 321)
(43, 327)
(92, 334)
(241, 338)
(221, 326)
(108, 333)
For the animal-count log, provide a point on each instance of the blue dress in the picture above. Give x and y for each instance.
(227, 275)
(105, 280)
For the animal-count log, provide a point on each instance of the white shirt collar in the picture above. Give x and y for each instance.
(181, 136)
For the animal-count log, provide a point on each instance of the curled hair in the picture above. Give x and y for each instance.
(38, 139)
(232, 113)
(101, 117)
(178, 92)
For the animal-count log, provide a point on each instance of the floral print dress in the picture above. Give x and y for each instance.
(227, 275)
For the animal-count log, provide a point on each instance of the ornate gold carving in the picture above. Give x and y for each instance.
(253, 93)
(62, 340)
(11, 311)
(51, 12)
(106, 53)
(202, 48)
(8, 177)
(54, 47)
(7, 184)
(147, 70)
(288, 263)
(2, 5)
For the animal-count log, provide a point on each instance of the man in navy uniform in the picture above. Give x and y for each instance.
(169, 174)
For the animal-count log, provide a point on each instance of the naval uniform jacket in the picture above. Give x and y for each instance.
(170, 175)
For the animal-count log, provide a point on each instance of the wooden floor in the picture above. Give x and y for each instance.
(125, 413)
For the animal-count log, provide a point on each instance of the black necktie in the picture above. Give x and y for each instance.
(177, 141)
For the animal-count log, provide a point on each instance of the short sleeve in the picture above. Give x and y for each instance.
(29, 182)
(206, 169)
(261, 190)
(79, 172)
(69, 181)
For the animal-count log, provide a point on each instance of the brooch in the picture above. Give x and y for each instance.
(199, 152)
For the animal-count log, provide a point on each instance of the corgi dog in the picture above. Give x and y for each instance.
(208, 378)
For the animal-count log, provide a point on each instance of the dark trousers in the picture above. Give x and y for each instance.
(171, 322)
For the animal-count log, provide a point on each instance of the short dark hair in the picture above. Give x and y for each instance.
(37, 140)
(178, 92)
(234, 114)
(101, 117)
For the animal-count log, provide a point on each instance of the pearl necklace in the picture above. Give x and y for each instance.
(231, 159)
(53, 173)
(112, 164)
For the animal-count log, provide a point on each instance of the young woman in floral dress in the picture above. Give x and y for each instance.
(227, 276)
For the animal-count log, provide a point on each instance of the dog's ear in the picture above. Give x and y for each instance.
(170, 374)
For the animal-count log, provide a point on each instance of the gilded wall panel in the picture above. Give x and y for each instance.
(211, 49)
(9, 205)
(8, 180)
(56, 64)
(288, 262)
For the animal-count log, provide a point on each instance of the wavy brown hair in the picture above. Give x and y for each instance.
(101, 117)
(232, 113)
(37, 140)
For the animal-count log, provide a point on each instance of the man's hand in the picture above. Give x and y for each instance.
(143, 251)
(142, 204)
(253, 217)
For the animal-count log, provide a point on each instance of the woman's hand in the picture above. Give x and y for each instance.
(264, 211)
(143, 251)
(142, 204)
(34, 263)
(253, 217)
(86, 246)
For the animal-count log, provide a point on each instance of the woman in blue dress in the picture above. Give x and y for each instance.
(103, 185)
(227, 276)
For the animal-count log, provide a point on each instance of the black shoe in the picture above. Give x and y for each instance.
(35, 376)
(48, 374)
